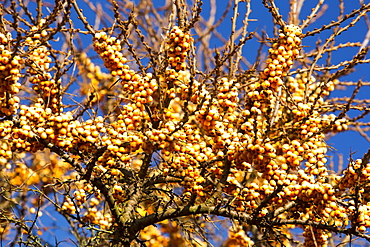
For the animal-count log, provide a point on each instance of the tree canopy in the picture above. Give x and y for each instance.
(144, 123)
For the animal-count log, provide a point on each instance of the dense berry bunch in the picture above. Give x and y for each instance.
(219, 128)
(138, 88)
(109, 49)
(143, 89)
(5, 153)
(37, 121)
(6, 145)
(68, 206)
(281, 57)
(355, 173)
(45, 85)
(317, 237)
(238, 237)
(179, 43)
(183, 156)
(172, 84)
(10, 66)
(84, 134)
(176, 80)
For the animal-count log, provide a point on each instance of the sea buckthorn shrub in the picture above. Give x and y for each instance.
(146, 135)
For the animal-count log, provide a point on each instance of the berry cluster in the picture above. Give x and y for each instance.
(176, 79)
(39, 65)
(118, 193)
(80, 197)
(154, 237)
(68, 206)
(10, 66)
(238, 237)
(182, 156)
(84, 134)
(140, 89)
(5, 153)
(109, 49)
(143, 89)
(355, 173)
(179, 43)
(301, 86)
(275, 161)
(96, 217)
(185, 150)
(218, 114)
(315, 237)
(361, 217)
(37, 121)
(247, 197)
(87, 204)
(172, 84)
(253, 146)
(177, 84)
(281, 57)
